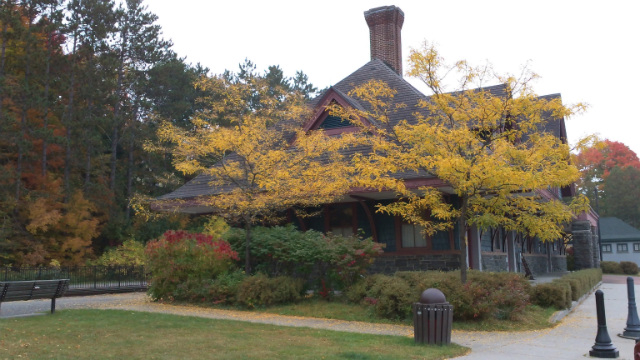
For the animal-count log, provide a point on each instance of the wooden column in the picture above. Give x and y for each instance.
(511, 251)
(475, 247)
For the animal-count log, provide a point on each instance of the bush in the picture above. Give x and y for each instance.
(629, 268)
(283, 250)
(130, 253)
(611, 267)
(260, 290)
(550, 295)
(572, 287)
(499, 295)
(187, 260)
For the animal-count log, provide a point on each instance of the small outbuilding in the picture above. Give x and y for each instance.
(620, 241)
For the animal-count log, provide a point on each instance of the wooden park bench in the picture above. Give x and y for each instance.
(35, 289)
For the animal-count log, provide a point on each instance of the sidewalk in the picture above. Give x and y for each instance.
(571, 339)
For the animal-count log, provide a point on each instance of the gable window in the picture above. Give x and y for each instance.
(413, 236)
(334, 122)
(622, 248)
(636, 247)
(606, 248)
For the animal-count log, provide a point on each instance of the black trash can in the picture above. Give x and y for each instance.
(432, 318)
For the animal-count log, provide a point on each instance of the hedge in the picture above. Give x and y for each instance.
(561, 292)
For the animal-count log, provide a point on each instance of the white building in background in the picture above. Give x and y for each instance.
(620, 241)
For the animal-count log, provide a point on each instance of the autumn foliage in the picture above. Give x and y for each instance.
(180, 257)
(489, 144)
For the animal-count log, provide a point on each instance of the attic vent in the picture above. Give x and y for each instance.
(334, 122)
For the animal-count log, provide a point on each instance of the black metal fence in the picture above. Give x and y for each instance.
(85, 280)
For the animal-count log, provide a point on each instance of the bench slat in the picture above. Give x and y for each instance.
(27, 290)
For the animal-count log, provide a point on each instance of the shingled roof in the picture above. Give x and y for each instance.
(613, 229)
(373, 70)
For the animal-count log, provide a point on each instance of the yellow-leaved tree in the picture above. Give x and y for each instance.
(491, 146)
(249, 147)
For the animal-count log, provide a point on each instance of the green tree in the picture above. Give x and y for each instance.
(622, 189)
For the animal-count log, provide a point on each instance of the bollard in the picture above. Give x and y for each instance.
(633, 323)
(603, 347)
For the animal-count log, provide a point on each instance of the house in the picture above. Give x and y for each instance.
(407, 248)
(620, 241)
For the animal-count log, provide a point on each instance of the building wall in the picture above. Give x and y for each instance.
(537, 262)
(389, 264)
(617, 256)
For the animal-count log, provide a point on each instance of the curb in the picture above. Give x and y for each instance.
(560, 314)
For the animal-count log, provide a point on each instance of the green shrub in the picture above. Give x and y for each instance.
(130, 253)
(187, 260)
(611, 267)
(550, 295)
(284, 250)
(501, 295)
(629, 268)
(225, 287)
(573, 286)
(393, 297)
(260, 290)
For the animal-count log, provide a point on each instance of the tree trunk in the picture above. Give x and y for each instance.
(117, 112)
(129, 179)
(67, 153)
(87, 174)
(247, 242)
(45, 119)
(464, 249)
(3, 52)
(3, 56)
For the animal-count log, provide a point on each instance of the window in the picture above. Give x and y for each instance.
(606, 248)
(636, 247)
(413, 236)
(341, 219)
(622, 248)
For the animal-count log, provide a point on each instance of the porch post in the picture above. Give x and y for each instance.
(475, 253)
(549, 249)
(511, 252)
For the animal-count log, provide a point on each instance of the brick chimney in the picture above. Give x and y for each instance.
(385, 24)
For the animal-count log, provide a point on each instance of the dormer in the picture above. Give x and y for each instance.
(331, 124)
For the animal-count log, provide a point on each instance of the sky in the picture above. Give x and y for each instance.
(588, 51)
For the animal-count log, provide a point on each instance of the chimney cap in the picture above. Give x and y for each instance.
(389, 8)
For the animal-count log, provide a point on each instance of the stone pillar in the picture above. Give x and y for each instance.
(583, 249)
(596, 248)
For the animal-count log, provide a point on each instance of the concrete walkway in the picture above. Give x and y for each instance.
(572, 338)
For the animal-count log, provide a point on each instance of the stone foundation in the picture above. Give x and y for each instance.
(389, 264)
(494, 261)
(537, 262)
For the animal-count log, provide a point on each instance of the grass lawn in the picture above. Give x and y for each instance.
(117, 334)
(534, 318)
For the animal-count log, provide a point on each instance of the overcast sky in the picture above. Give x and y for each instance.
(586, 50)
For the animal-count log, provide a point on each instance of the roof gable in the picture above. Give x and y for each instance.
(614, 229)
